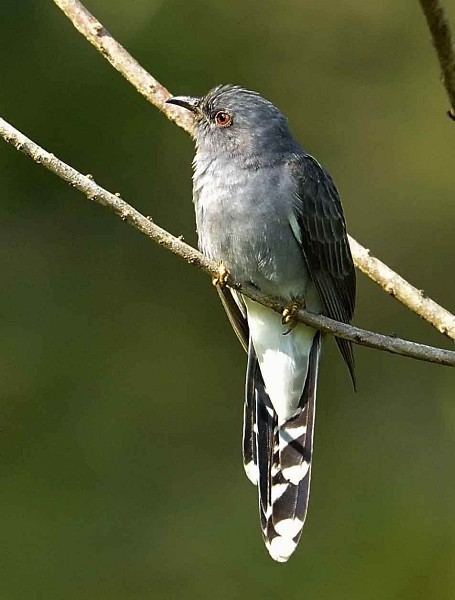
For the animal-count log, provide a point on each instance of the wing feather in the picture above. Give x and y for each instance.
(237, 317)
(325, 244)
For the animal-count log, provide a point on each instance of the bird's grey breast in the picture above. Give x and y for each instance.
(244, 218)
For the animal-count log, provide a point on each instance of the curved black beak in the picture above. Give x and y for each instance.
(188, 102)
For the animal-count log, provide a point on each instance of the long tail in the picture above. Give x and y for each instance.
(277, 458)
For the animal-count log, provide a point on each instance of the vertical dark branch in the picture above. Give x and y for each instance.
(443, 42)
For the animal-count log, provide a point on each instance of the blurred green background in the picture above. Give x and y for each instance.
(121, 383)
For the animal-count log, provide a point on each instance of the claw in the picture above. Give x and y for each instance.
(288, 315)
(221, 277)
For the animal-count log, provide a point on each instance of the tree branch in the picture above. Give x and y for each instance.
(399, 288)
(157, 95)
(441, 34)
(123, 62)
(96, 193)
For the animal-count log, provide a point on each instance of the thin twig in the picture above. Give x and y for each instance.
(406, 293)
(441, 34)
(96, 193)
(123, 62)
(149, 87)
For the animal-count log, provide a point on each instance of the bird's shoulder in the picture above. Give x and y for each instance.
(315, 186)
(319, 213)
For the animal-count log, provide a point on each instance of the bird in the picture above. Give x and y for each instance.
(270, 215)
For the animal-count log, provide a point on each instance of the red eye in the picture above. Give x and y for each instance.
(223, 119)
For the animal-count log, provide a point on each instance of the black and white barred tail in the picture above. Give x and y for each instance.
(277, 457)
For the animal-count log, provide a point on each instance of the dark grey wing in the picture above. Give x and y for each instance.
(236, 314)
(325, 245)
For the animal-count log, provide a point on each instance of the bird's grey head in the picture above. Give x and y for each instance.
(233, 121)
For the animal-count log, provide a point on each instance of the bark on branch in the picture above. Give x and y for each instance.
(156, 94)
(402, 290)
(96, 193)
(123, 62)
(441, 34)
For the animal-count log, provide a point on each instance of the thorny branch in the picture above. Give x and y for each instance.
(154, 92)
(96, 193)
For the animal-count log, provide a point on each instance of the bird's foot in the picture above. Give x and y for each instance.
(289, 313)
(221, 276)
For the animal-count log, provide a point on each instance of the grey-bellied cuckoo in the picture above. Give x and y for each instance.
(270, 214)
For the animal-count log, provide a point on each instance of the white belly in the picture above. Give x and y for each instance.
(283, 359)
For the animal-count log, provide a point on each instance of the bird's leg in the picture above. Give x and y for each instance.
(221, 276)
(289, 312)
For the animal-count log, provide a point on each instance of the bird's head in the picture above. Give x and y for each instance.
(234, 121)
